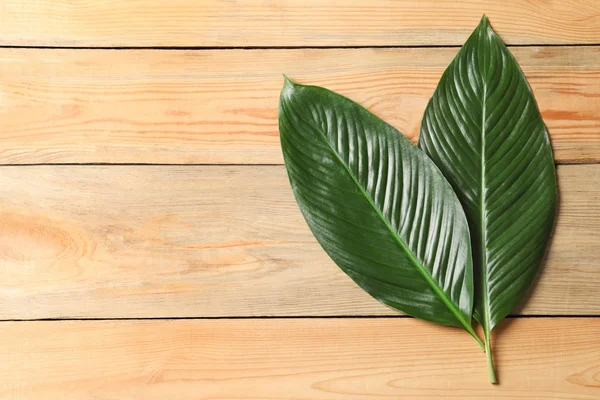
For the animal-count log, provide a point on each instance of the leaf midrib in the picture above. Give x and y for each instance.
(483, 217)
(437, 290)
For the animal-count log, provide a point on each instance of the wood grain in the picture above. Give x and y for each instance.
(214, 241)
(217, 23)
(190, 107)
(320, 359)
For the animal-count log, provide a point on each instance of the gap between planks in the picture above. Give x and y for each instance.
(226, 48)
(283, 317)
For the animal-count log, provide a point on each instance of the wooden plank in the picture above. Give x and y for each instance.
(218, 23)
(324, 359)
(180, 107)
(213, 241)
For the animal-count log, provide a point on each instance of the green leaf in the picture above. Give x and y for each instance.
(483, 129)
(377, 205)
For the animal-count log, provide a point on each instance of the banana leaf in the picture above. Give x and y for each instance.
(378, 206)
(484, 131)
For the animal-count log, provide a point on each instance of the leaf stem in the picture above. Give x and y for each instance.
(490, 362)
(477, 339)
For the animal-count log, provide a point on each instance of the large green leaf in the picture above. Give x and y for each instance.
(377, 205)
(483, 129)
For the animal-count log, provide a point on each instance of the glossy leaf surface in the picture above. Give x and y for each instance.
(377, 205)
(483, 129)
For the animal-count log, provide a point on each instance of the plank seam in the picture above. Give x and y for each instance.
(226, 48)
(277, 317)
(94, 164)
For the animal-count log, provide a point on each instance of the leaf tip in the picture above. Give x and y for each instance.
(288, 88)
(287, 81)
(484, 22)
(485, 26)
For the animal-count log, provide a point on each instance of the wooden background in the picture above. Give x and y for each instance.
(150, 246)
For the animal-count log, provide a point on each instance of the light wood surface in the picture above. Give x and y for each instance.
(116, 250)
(189, 241)
(199, 107)
(292, 23)
(324, 359)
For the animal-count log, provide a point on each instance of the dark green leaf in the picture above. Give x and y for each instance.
(377, 205)
(483, 129)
